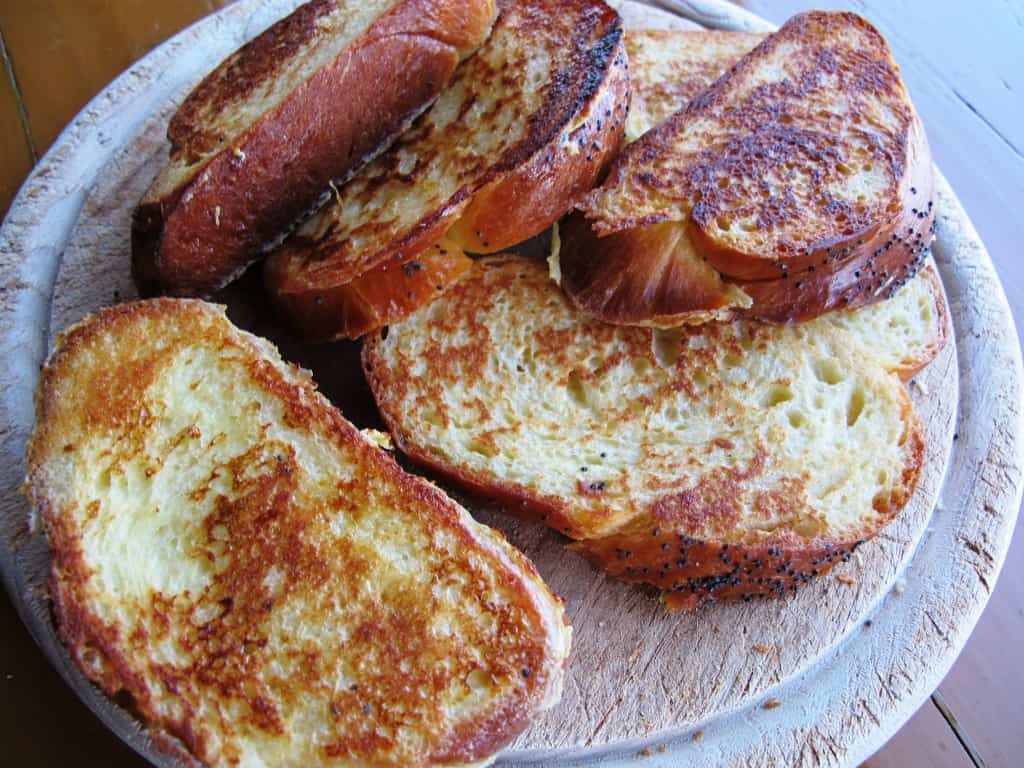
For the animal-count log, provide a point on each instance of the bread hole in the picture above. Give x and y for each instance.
(828, 371)
(672, 413)
(667, 346)
(883, 477)
(846, 169)
(433, 418)
(103, 481)
(576, 388)
(776, 395)
(797, 419)
(724, 223)
(855, 407)
(641, 366)
(723, 182)
(700, 378)
(732, 360)
(479, 680)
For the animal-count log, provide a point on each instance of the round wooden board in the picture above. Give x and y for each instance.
(848, 662)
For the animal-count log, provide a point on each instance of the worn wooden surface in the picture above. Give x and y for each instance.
(663, 651)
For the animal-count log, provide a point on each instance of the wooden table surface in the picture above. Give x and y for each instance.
(963, 65)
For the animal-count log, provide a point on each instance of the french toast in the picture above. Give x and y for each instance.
(306, 103)
(729, 460)
(524, 128)
(798, 183)
(669, 68)
(264, 584)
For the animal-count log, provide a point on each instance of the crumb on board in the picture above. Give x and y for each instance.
(845, 578)
(645, 752)
(900, 586)
(761, 648)
(698, 736)
(771, 704)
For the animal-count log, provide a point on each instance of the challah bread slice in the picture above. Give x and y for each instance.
(669, 68)
(798, 183)
(525, 127)
(255, 145)
(267, 586)
(696, 460)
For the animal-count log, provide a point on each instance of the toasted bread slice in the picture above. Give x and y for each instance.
(669, 68)
(719, 461)
(310, 100)
(798, 183)
(524, 128)
(268, 586)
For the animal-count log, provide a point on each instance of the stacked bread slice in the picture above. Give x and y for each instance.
(798, 183)
(729, 459)
(255, 145)
(526, 127)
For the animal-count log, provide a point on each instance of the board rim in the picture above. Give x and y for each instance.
(48, 197)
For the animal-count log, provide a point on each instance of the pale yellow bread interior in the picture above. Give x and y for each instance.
(504, 385)
(265, 584)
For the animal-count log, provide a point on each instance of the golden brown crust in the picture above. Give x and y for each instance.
(384, 295)
(522, 189)
(535, 195)
(95, 388)
(801, 250)
(202, 234)
(661, 287)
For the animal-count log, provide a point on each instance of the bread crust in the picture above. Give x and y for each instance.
(118, 352)
(198, 236)
(567, 143)
(659, 550)
(858, 257)
(384, 295)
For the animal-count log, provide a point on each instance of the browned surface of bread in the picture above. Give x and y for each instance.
(668, 68)
(263, 583)
(798, 183)
(725, 461)
(383, 295)
(525, 126)
(255, 145)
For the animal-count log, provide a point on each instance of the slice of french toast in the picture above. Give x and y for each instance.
(525, 127)
(669, 68)
(311, 99)
(798, 183)
(722, 461)
(266, 585)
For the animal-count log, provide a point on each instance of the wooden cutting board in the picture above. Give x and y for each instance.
(822, 677)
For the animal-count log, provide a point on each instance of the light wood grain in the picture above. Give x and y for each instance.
(845, 684)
